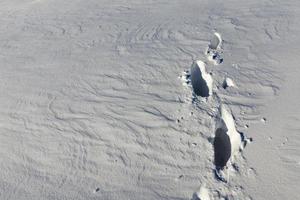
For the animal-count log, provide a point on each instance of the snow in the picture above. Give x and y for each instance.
(202, 194)
(227, 124)
(91, 106)
(202, 81)
(228, 82)
(216, 41)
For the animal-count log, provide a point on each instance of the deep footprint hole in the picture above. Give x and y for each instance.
(200, 86)
(222, 148)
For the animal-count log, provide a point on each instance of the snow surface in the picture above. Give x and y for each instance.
(228, 82)
(202, 194)
(91, 106)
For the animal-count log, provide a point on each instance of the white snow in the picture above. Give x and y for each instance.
(228, 82)
(216, 41)
(214, 50)
(202, 194)
(91, 106)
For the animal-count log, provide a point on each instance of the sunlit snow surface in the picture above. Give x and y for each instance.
(91, 106)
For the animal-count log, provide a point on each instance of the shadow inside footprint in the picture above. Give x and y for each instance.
(199, 84)
(222, 148)
(195, 197)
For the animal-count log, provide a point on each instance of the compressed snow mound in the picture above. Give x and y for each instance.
(228, 82)
(201, 80)
(202, 194)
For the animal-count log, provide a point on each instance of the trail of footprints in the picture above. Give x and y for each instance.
(227, 141)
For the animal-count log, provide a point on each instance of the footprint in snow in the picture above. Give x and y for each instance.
(227, 141)
(214, 50)
(202, 81)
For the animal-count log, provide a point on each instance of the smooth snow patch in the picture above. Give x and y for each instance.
(201, 80)
(228, 82)
(201, 194)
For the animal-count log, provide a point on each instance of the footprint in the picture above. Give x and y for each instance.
(214, 50)
(222, 148)
(215, 42)
(201, 80)
(226, 122)
(227, 142)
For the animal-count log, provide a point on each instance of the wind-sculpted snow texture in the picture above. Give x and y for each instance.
(91, 106)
